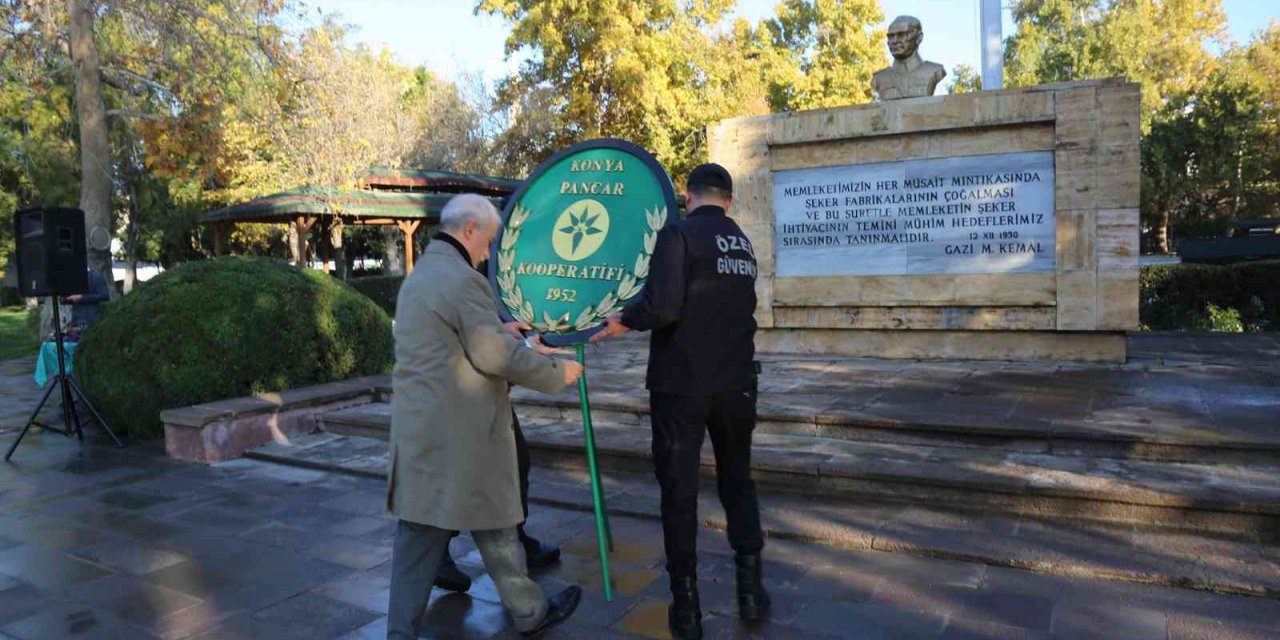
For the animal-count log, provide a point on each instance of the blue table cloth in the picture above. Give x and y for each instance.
(47, 361)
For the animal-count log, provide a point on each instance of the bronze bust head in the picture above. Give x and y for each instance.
(910, 76)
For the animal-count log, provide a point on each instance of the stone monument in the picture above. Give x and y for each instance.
(910, 76)
(990, 225)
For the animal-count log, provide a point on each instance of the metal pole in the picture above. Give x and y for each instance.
(992, 50)
(69, 421)
(604, 537)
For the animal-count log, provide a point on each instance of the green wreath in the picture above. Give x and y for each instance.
(628, 287)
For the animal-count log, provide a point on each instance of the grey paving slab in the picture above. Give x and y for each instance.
(1198, 628)
(20, 600)
(858, 621)
(314, 616)
(72, 621)
(134, 557)
(1083, 619)
(48, 568)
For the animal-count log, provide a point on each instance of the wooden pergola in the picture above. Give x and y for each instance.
(404, 198)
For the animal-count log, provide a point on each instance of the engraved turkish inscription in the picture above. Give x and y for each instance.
(973, 214)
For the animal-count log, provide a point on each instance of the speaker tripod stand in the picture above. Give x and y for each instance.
(70, 392)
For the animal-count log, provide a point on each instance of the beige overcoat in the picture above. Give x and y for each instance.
(453, 450)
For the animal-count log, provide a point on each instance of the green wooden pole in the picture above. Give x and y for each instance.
(604, 537)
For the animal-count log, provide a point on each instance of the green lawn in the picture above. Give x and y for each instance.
(16, 340)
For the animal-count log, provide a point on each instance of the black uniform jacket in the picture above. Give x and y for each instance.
(699, 301)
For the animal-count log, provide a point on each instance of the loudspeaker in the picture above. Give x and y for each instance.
(51, 251)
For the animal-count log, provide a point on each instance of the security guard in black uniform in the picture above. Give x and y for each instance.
(700, 301)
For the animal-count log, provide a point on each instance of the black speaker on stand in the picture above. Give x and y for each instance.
(52, 263)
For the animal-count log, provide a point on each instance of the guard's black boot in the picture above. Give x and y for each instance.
(753, 600)
(536, 554)
(449, 577)
(684, 617)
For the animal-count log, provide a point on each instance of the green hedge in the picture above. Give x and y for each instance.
(381, 289)
(226, 328)
(1242, 296)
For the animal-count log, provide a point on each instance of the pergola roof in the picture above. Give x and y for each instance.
(438, 181)
(350, 205)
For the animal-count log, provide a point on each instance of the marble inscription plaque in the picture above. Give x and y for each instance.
(973, 214)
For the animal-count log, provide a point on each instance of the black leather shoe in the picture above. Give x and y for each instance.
(537, 555)
(559, 608)
(753, 600)
(450, 578)
(684, 617)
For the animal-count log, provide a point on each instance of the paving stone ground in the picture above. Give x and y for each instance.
(98, 543)
(1221, 562)
(19, 395)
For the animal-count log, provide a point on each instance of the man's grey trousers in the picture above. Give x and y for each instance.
(416, 557)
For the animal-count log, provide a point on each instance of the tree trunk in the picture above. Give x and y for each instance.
(294, 255)
(393, 263)
(95, 152)
(1162, 231)
(131, 237)
(339, 249)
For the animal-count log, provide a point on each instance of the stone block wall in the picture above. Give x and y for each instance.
(1078, 312)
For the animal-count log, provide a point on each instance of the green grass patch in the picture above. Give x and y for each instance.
(17, 340)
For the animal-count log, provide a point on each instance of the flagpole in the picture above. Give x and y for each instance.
(604, 536)
(992, 54)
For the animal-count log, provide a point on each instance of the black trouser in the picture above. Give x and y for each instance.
(522, 462)
(679, 423)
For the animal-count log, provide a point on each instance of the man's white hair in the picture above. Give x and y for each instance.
(464, 208)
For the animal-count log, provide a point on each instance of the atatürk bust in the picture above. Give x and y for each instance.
(910, 76)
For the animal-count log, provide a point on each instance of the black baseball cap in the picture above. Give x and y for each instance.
(710, 175)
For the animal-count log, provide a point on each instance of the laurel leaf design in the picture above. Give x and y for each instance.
(629, 285)
(585, 318)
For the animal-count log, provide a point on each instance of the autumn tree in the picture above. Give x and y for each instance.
(654, 72)
(1214, 156)
(1161, 44)
(820, 53)
(965, 79)
(144, 60)
(37, 148)
(451, 132)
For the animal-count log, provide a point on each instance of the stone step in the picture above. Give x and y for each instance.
(1231, 498)
(1134, 431)
(1165, 424)
(1212, 561)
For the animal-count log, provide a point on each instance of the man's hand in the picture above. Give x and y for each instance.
(613, 328)
(516, 329)
(535, 343)
(75, 299)
(572, 371)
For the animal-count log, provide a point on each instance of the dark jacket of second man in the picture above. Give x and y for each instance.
(699, 301)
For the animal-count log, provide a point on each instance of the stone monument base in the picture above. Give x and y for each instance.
(997, 225)
(1092, 346)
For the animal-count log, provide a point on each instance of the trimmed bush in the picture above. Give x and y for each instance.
(1207, 297)
(381, 289)
(225, 328)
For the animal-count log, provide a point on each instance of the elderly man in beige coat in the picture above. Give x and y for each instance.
(453, 451)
